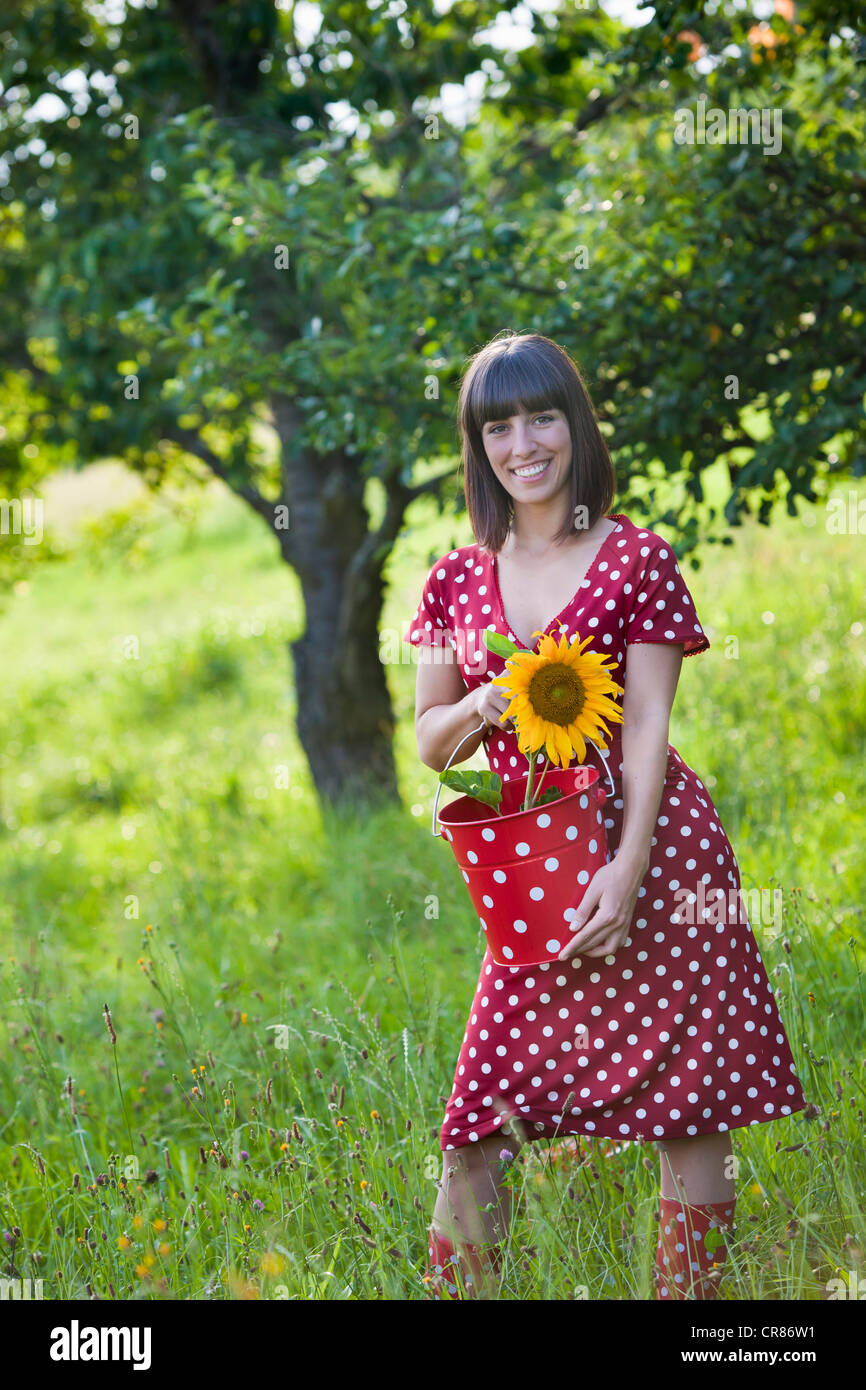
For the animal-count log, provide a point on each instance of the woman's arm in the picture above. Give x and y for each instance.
(444, 708)
(650, 687)
(445, 711)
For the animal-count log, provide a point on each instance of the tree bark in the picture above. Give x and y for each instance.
(345, 719)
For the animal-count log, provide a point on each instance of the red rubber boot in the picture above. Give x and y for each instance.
(461, 1272)
(691, 1245)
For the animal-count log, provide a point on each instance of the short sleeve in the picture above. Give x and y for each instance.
(429, 626)
(663, 609)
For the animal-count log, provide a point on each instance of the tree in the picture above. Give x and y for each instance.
(229, 226)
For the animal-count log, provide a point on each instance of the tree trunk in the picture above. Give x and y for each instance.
(345, 719)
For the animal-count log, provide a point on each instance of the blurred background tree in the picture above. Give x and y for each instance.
(235, 247)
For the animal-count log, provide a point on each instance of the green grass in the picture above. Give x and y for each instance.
(163, 852)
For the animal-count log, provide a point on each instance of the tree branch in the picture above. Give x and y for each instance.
(192, 443)
(431, 485)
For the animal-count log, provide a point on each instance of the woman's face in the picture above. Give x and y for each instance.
(530, 453)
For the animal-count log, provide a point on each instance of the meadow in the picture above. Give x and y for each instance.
(257, 1115)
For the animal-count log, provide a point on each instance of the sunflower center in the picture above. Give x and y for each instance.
(556, 693)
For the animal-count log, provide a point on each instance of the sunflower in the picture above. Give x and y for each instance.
(560, 696)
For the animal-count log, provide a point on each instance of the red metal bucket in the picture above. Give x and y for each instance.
(527, 871)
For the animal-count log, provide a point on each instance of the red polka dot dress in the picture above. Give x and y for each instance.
(678, 1033)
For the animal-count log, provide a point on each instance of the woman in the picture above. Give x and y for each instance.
(680, 1036)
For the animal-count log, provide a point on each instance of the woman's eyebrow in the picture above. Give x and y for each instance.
(542, 410)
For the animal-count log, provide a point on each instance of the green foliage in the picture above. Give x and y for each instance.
(501, 645)
(484, 785)
(549, 794)
(142, 243)
(162, 865)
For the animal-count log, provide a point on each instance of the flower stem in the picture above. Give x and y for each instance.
(527, 800)
(541, 779)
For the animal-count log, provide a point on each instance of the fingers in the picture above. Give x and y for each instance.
(608, 947)
(496, 720)
(578, 943)
(602, 942)
(587, 913)
(589, 936)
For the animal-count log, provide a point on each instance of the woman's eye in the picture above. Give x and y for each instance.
(494, 428)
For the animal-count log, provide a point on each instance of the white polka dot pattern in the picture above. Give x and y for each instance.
(679, 1033)
(662, 609)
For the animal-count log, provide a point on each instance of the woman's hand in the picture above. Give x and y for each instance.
(613, 891)
(490, 705)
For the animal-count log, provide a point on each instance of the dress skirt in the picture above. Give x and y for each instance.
(676, 1034)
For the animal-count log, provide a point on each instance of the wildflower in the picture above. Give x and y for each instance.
(148, 928)
(141, 1271)
(271, 1263)
(364, 1184)
(159, 1224)
(243, 1018)
(258, 1205)
(244, 1155)
(283, 1147)
(505, 1155)
(165, 1248)
(374, 1115)
(138, 1221)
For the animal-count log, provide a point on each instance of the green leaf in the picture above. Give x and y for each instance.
(484, 786)
(502, 646)
(549, 794)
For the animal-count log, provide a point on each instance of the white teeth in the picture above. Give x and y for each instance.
(532, 470)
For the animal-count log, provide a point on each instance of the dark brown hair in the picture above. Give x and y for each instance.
(526, 371)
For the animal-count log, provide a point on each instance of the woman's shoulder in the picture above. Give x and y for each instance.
(644, 540)
(453, 566)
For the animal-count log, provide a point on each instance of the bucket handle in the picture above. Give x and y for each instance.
(433, 829)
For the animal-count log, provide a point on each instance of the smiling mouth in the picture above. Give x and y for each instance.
(531, 470)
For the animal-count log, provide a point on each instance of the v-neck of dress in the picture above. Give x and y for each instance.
(618, 517)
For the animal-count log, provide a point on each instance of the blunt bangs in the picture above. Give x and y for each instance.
(518, 372)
